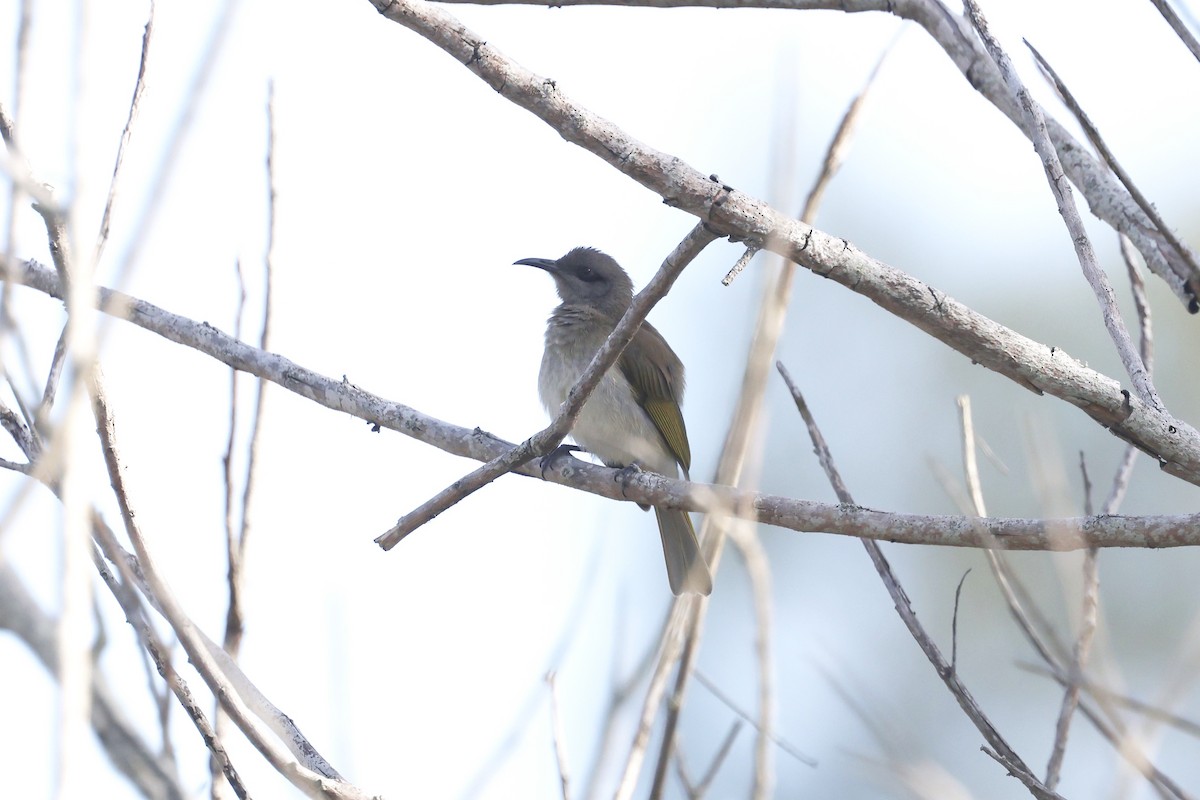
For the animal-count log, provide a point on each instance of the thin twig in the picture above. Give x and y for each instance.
(1126, 179)
(559, 736)
(233, 614)
(154, 775)
(127, 597)
(1020, 603)
(236, 545)
(550, 437)
(1037, 628)
(966, 701)
(1064, 196)
(172, 143)
(728, 702)
(1087, 484)
(139, 86)
(740, 264)
(621, 691)
(744, 536)
(1183, 724)
(669, 650)
(697, 791)
(954, 623)
(687, 663)
(315, 777)
(1178, 25)
(532, 706)
(970, 462)
(1125, 746)
(42, 414)
(22, 176)
(1141, 303)
(839, 146)
(233, 617)
(1083, 646)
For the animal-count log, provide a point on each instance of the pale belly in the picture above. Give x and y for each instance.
(611, 425)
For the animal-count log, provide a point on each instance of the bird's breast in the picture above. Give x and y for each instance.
(611, 425)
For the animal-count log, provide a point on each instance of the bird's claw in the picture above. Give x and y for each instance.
(624, 476)
(548, 460)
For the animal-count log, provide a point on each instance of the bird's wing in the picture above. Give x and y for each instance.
(658, 393)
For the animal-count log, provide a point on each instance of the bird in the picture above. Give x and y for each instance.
(633, 419)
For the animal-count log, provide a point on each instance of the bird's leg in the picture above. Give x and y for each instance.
(548, 460)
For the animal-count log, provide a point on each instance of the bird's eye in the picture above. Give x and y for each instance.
(588, 275)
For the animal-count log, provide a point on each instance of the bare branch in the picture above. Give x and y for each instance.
(839, 147)
(758, 569)
(1064, 196)
(315, 777)
(1124, 473)
(233, 551)
(126, 596)
(740, 264)
(670, 649)
(1178, 25)
(1106, 198)
(236, 545)
(139, 86)
(1002, 751)
(42, 414)
(1126, 179)
(1126, 746)
(1149, 710)
(129, 753)
(1083, 647)
(1041, 635)
(954, 623)
(1069, 533)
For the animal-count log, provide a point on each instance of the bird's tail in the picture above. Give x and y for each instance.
(685, 565)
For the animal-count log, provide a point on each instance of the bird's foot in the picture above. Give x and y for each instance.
(548, 460)
(625, 475)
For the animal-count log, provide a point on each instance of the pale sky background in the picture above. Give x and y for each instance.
(407, 188)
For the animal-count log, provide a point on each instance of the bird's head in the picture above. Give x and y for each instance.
(587, 277)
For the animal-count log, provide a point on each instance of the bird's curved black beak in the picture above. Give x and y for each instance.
(548, 264)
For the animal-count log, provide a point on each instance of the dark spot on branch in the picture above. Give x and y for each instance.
(476, 54)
